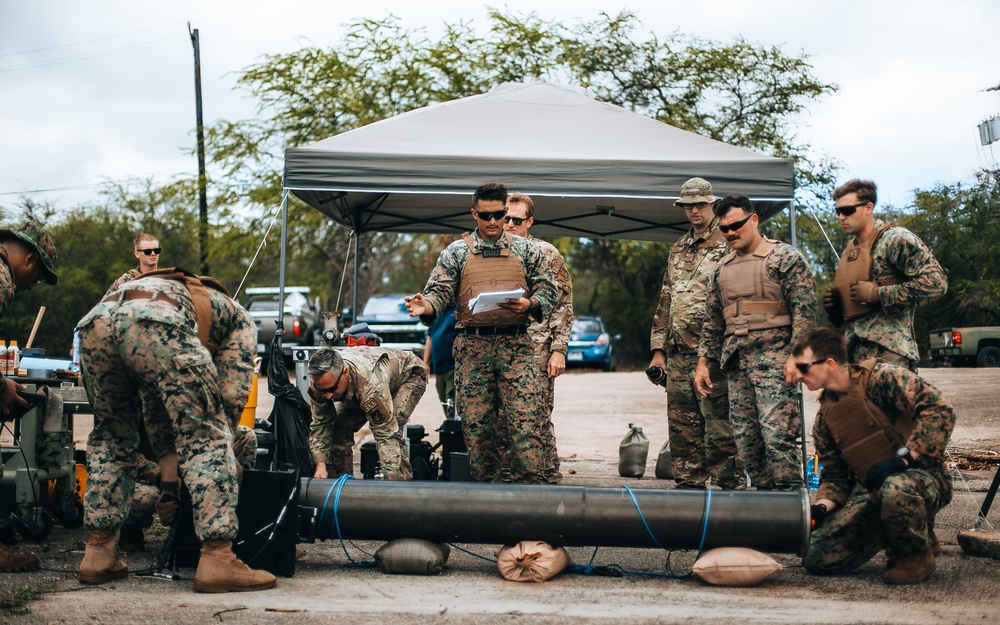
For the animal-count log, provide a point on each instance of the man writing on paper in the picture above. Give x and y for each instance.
(497, 385)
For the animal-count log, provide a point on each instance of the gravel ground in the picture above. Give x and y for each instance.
(592, 413)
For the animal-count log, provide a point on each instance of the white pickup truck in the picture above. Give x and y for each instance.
(973, 344)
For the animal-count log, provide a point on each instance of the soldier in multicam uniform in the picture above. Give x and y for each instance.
(26, 257)
(358, 385)
(147, 251)
(884, 273)
(761, 298)
(701, 438)
(550, 336)
(881, 434)
(154, 339)
(498, 388)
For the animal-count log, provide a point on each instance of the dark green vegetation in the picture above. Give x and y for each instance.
(738, 92)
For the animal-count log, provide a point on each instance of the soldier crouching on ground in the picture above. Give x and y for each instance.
(881, 434)
(26, 257)
(375, 385)
(153, 339)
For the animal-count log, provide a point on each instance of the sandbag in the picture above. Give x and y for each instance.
(632, 453)
(412, 556)
(531, 561)
(734, 566)
(664, 463)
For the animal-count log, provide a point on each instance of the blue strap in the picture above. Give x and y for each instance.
(704, 520)
(642, 518)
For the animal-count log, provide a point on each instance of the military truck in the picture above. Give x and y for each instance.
(386, 316)
(980, 345)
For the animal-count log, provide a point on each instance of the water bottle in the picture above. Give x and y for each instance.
(813, 471)
(75, 368)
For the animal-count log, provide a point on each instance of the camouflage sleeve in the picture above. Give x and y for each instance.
(923, 278)
(560, 322)
(542, 285)
(146, 471)
(899, 393)
(442, 285)
(661, 318)
(324, 416)
(234, 360)
(836, 480)
(713, 330)
(798, 287)
(128, 276)
(376, 401)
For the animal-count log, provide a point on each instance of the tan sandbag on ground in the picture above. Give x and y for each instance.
(412, 556)
(531, 561)
(734, 566)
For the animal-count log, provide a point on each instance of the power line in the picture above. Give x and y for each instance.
(86, 57)
(88, 41)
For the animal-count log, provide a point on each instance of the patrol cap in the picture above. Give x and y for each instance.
(41, 242)
(696, 190)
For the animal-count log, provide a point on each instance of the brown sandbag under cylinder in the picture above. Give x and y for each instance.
(531, 561)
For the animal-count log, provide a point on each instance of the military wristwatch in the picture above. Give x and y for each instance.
(903, 453)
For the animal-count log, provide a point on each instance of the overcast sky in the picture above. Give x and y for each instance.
(98, 90)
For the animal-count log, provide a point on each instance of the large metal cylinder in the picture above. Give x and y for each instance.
(773, 522)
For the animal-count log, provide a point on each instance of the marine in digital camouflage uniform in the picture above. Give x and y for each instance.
(27, 256)
(497, 382)
(150, 347)
(906, 493)
(550, 336)
(701, 438)
(763, 410)
(145, 250)
(904, 275)
(358, 385)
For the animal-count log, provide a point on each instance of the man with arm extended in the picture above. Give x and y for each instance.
(881, 434)
(358, 385)
(498, 389)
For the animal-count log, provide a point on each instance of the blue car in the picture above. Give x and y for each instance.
(590, 345)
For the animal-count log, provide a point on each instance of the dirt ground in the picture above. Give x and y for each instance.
(592, 413)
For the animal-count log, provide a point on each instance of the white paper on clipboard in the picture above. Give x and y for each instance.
(488, 301)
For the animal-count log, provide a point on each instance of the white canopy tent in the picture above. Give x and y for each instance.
(594, 169)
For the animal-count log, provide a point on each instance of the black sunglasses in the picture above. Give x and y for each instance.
(803, 367)
(736, 225)
(847, 211)
(152, 250)
(517, 220)
(488, 215)
(329, 390)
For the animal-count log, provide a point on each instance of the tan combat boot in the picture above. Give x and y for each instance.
(12, 560)
(914, 568)
(219, 570)
(100, 560)
(890, 556)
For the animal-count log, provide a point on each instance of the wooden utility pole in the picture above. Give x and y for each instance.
(202, 177)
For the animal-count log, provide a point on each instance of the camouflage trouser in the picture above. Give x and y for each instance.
(701, 437)
(121, 354)
(898, 516)
(500, 399)
(548, 387)
(765, 417)
(445, 385)
(859, 349)
(147, 482)
(393, 452)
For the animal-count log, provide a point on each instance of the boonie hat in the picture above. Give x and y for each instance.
(41, 242)
(696, 190)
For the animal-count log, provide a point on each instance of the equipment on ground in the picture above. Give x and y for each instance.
(977, 541)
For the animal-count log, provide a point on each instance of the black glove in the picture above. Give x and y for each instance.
(831, 304)
(818, 514)
(881, 470)
(167, 503)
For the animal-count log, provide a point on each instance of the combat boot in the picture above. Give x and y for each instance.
(914, 568)
(131, 539)
(100, 560)
(12, 560)
(219, 570)
(890, 556)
